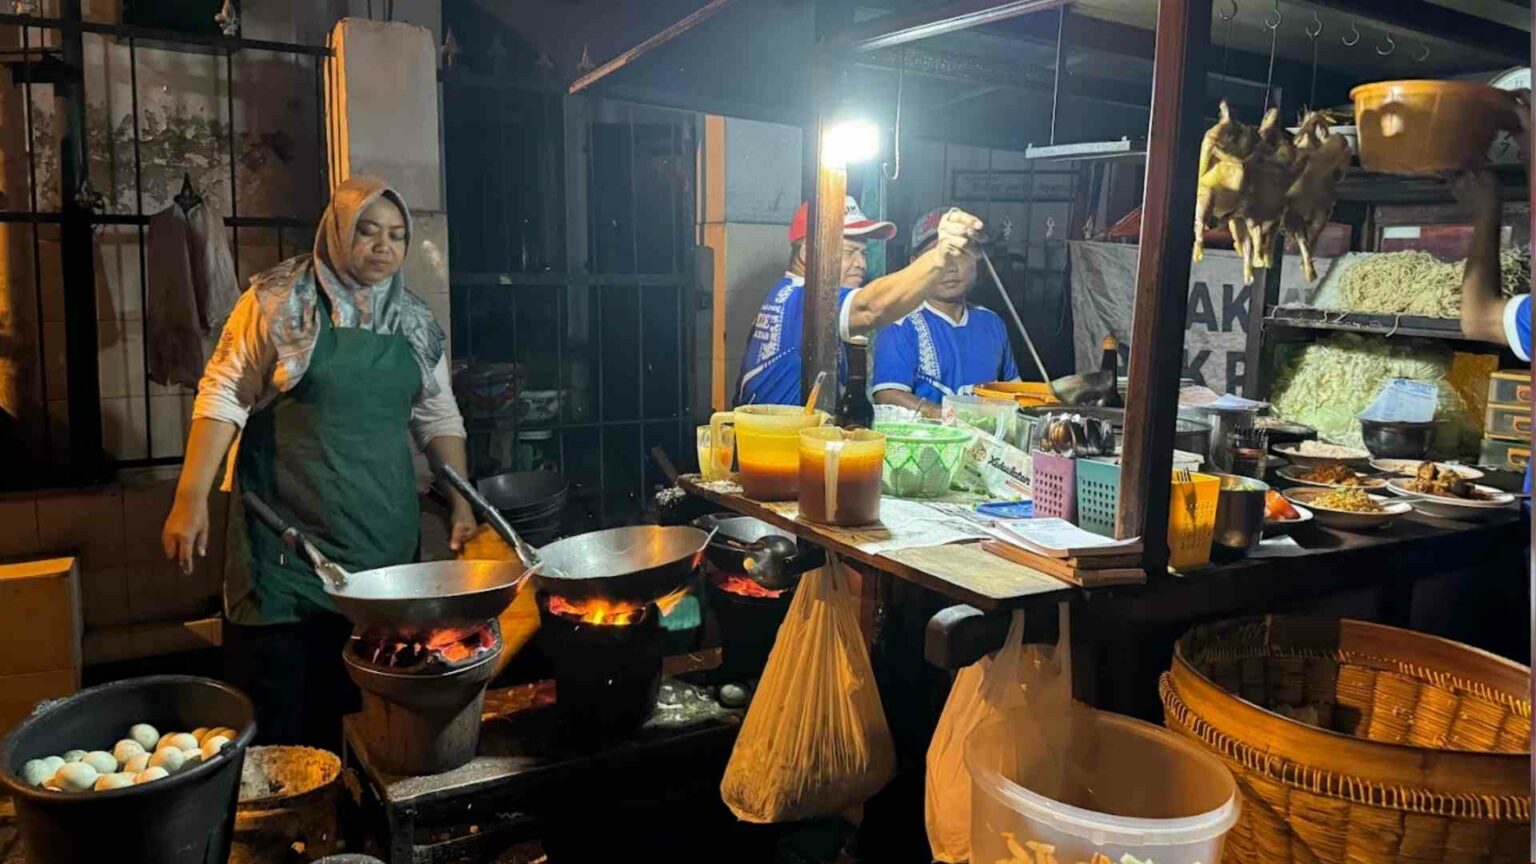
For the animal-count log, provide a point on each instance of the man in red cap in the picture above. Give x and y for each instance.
(770, 369)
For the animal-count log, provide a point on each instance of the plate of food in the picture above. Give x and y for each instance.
(1312, 454)
(1448, 494)
(1330, 476)
(1410, 467)
(1348, 507)
(1281, 516)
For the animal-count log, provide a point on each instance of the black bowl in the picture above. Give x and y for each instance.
(1398, 439)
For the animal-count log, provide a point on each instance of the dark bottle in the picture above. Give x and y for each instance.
(854, 410)
(1110, 361)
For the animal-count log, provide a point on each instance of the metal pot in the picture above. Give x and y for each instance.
(1398, 439)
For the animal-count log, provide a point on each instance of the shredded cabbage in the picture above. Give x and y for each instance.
(1329, 382)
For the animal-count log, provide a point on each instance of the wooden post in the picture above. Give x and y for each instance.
(823, 276)
(1162, 272)
(1258, 351)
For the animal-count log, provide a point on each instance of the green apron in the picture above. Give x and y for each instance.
(333, 456)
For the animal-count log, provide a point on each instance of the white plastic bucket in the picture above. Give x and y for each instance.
(1093, 783)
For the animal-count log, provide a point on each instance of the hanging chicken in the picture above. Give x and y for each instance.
(1309, 202)
(1253, 180)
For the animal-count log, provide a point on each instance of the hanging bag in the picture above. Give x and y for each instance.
(814, 742)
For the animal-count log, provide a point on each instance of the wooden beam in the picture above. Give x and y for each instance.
(667, 34)
(902, 27)
(1162, 272)
(820, 345)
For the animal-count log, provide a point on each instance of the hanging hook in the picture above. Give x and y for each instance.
(1356, 31)
(1274, 25)
(1230, 15)
(1391, 46)
(1318, 22)
(1424, 47)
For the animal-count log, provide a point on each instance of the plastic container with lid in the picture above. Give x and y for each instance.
(840, 475)
(767, 447)
(1094, 783)
(1429, 127)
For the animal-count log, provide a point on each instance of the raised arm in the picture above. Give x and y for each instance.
(891, 298)
(1482, 303)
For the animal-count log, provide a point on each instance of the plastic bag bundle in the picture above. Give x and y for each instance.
(980, 691)
(814, 741)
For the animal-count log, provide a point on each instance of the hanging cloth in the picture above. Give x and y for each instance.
(192, 289)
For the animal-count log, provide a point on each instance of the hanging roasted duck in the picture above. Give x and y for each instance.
(1309, 202)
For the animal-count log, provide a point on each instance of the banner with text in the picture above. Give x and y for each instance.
(1216, 325)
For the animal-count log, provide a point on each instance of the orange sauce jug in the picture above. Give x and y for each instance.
(767, 447)
(840, 475)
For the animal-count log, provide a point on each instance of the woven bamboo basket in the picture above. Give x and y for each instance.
(1404, 747)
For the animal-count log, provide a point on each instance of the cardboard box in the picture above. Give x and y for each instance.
(40, 621)
(19, 694)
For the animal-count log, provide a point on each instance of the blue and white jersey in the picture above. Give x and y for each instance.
(931, 356)
(1517, 331)
(770, 368)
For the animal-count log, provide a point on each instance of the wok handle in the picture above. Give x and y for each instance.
(491, 515)
(294, 540)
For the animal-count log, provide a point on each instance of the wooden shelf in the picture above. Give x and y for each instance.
(1371, 187)
(1301, 318)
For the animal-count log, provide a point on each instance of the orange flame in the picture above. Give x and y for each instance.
(458, 643)
(618, 613)
(744, 587)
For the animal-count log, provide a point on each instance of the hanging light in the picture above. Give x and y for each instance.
(848, 142)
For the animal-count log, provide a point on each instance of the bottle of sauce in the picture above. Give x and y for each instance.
(1110, 360)
(854, 410)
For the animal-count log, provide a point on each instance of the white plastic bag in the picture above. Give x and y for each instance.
(1015, 676)
(814, 742)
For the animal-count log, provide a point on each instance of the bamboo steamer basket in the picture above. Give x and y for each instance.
(1424, 758)
(1429, 127)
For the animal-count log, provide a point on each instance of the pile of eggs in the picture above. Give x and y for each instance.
(143, 757)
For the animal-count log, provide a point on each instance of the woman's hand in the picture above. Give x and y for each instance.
(185, 534)
(464, 525)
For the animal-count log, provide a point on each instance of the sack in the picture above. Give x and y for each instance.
(1015, 676)
(814, 742)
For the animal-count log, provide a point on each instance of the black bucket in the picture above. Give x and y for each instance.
(186, 818)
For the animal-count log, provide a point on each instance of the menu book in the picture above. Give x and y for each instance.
(1058, 538)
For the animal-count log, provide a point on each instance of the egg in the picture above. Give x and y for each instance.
(147, 735)
(54, 763)
(179, 740)
(169, 758)
(200, 733)
(226, 732)
(150, 775)
(73, 755)
(126, 749)
(191, 758)
(77, 776)
(135, 764)
(35, 771)
(101, 760)
(213, 744)
(116, 780)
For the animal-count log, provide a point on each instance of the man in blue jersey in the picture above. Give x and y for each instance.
(770, 369)
(944, 347)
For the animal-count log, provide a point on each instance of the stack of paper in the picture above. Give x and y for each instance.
(1058, 538)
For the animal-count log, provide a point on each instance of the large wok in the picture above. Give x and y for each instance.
(406, 597)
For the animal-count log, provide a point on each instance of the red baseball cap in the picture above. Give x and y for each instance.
(855, 223)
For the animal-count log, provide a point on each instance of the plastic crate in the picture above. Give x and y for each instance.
(1054, 483)
(1098, 493)
(1510, 422)
(1192, 523)
(1510, 388)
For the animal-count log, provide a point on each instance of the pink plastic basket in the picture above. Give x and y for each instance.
(1054, 481)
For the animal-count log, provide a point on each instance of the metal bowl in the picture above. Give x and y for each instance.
(1239, 514)
(1397, 439)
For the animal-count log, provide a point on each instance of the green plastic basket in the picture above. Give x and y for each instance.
(1098, 493)
(921, 458)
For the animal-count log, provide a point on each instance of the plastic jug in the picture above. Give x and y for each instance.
(840, 474)
(767, 446)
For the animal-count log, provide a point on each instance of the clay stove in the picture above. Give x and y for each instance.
(607, 661)
(422, 694)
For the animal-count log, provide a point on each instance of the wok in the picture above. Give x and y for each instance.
(405, 597)
(637, 564)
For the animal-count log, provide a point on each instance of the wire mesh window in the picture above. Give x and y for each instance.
(572, 260)
(158, 109)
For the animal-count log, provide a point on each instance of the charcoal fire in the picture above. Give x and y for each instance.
(611, 613)
(438, 649)
(743, 586)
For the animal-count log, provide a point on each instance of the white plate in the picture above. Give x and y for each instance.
(1410, 467)
(1351, 520)
(1358, 462)
(1496, 501)
(1278, 527)
(1294, 474)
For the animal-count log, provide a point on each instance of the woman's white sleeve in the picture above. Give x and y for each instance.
(437, 416)
(240, 367)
